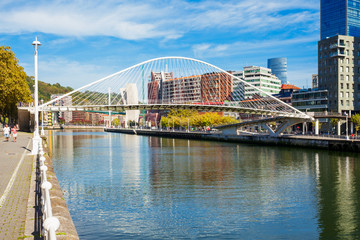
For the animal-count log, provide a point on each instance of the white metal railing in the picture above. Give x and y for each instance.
(50, 223)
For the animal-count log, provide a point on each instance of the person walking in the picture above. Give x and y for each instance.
(14, 132)
(6, 131)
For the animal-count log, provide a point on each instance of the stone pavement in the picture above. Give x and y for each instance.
(16, 167)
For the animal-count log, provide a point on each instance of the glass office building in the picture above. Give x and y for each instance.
(278, 67)
(340, 17)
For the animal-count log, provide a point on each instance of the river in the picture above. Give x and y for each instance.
(120, 186)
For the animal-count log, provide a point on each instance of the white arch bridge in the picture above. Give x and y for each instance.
(180, 83)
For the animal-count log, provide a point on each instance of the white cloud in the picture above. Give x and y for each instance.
(68, 73)
(134, 20)
(205, 50)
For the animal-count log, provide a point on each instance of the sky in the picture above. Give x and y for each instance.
(83, 41)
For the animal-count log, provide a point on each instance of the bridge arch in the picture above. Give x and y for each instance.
(174, 81)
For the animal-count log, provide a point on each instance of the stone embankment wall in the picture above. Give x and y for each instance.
(60, 210)
(294, 141)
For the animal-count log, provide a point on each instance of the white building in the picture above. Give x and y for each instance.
(129, 95)
(261, 78)
(238, 86)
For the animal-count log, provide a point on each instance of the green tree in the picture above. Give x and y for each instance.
(115, 122)
(355, 118)
(13, 87)
(47, 89)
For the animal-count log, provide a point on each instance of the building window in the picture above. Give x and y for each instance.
(341, 85)
(341, 60)
(347, 61)
(341, 69)
(341, 102)
(347, 94)
(341, 94)
(347, 77)
(347, 69)
(347, 103)
(347, 86)
(341, 77)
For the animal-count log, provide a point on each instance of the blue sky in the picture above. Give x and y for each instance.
(83, 41)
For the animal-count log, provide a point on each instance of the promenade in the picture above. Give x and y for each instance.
(16, 167)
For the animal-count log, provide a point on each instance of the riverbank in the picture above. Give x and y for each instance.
(20, 195)
(285, 140)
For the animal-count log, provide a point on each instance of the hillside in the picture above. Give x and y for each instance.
(46, 89)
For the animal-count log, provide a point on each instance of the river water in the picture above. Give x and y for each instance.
(121, 186)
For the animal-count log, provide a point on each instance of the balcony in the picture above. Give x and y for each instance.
(336, 45)
(337, 54)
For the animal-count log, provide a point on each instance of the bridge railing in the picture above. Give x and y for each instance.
(50, 223)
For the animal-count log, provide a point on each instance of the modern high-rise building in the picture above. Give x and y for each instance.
(278, 67)
(339, 72)
(339, 17)
(339, 54)
(261, 78)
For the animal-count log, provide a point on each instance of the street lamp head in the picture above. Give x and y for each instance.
(36, 42)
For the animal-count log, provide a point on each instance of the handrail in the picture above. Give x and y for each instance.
(50, 223)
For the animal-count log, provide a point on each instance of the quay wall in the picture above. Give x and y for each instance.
(59, 207)
(294, 141)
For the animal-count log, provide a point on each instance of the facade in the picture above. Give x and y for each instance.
(212, 87)
(310, 100)
(216, 87)
(315, 81)
(129, 95)
(286, 93)
(261, 78)
(278, 67)
(339, 17)
(238, 86)
(182, 90)
(339, 72)
(155, 86)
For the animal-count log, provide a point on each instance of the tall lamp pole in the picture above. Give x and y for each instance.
(36, 138)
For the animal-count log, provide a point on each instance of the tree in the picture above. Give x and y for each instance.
(355, 118)
(13, 86)
(115, 122)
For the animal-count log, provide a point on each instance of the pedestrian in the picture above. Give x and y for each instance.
(6, 131)
(14, 132)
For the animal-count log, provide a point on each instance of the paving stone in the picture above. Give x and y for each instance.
(14, 207)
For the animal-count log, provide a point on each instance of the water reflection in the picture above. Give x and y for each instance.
(133, 187)
(339, 196)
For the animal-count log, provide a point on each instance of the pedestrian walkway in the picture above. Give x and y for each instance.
(16, 166)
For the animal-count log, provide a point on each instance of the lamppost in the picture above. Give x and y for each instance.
(36, 138)
(42, 119)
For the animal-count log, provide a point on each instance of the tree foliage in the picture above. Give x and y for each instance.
(355, 118)
(185, 118)
(334, 121)
(13, 87)
(47, 89)
(115, 122)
